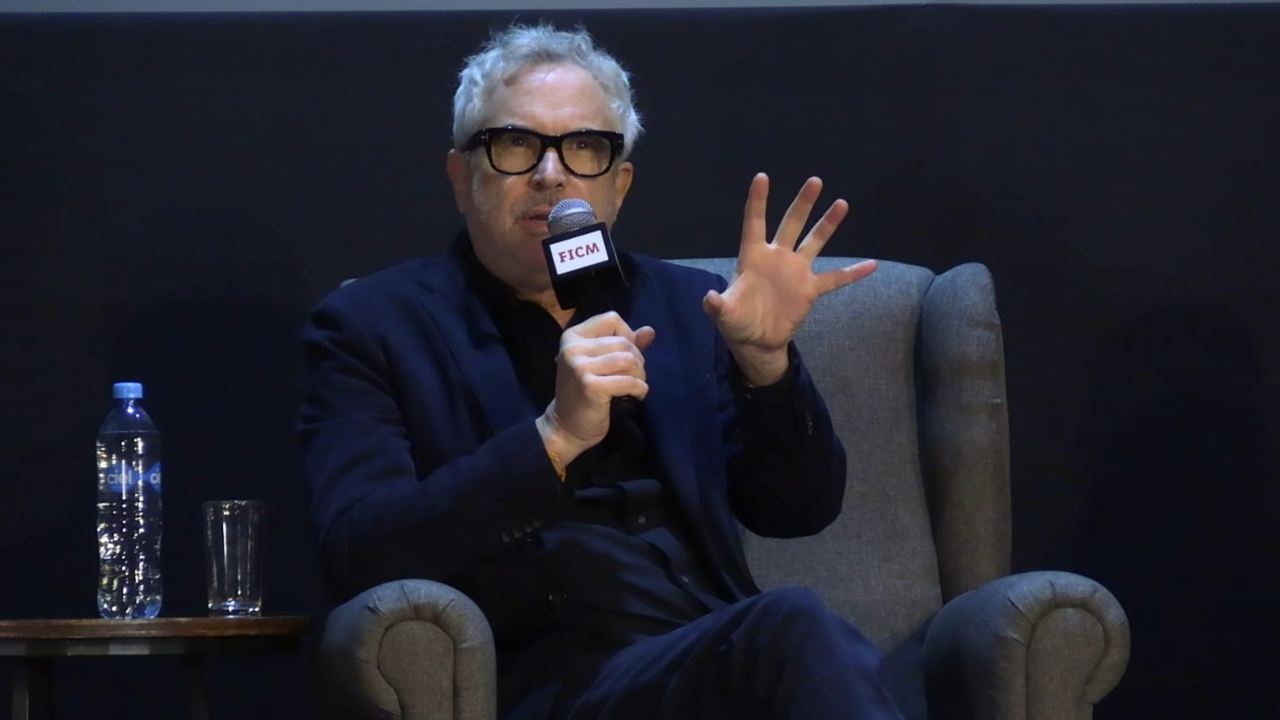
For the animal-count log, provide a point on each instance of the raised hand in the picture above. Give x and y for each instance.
(775, 286)
(600, 359)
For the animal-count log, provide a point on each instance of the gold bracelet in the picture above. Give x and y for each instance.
(557, 465)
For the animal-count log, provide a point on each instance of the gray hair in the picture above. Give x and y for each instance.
(521, 46)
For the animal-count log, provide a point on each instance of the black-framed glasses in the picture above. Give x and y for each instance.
(516, 151)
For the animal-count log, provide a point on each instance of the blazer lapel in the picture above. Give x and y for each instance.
(474, 342)
(667, 407)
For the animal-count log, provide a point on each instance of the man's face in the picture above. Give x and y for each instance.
(506, 215)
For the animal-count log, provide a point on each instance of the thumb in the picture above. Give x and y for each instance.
(713, 304)
(644, 337)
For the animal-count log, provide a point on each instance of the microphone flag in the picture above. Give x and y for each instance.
(580, 255)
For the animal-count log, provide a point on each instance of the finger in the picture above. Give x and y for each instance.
(754, 224)
(582, 348)
(619, 363)
(622, 360)
(836, 279)
(713, 304)
(798, 214)
(644, 337)
(612, 386)
(822, 232)
(609, 323)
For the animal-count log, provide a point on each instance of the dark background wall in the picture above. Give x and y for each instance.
(176, 191)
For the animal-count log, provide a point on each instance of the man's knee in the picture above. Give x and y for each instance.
(794, 598)
(798, 653)
(799, 615)
(794, 609)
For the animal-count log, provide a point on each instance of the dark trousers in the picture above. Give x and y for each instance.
(780, 655)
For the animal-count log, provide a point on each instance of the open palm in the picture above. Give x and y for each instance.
(775, 286)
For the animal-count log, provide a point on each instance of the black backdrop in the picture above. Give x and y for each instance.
(176, 191)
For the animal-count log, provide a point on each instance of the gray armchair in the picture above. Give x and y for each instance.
(911, 366)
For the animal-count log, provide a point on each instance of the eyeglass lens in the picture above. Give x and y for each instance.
(516, 152)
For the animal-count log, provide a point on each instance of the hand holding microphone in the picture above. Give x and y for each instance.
(600, 359)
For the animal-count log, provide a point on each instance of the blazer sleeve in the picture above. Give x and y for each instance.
(386, 508)
(786, 466)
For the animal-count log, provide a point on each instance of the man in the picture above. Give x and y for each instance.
(460, 425)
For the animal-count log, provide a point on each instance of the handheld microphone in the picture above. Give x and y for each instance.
(580, 255)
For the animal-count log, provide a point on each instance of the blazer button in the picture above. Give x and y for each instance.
(557, 597)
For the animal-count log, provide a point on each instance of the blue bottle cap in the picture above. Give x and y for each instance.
(126, 391)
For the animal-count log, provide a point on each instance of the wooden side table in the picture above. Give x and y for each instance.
(34, 643)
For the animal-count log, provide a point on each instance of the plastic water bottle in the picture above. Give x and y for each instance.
(128, 509)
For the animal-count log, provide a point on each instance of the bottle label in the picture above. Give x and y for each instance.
(121, 475)
(152, 476)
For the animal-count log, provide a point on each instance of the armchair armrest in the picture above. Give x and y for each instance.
(410, 649)
(1036, 646)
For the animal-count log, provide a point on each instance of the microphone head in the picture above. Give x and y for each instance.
(569, 215)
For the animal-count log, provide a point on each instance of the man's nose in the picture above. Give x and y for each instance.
(550, 171)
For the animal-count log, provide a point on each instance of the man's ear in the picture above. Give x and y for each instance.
(458, 166)
(621, 184)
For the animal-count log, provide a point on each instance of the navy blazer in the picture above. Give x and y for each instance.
(423, 460)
